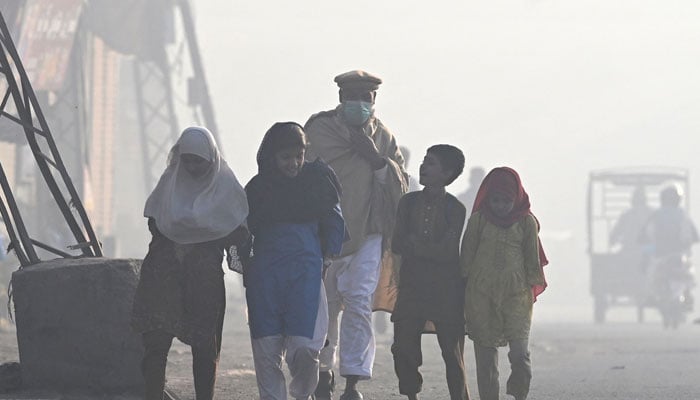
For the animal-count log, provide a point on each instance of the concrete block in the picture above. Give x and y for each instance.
(73, 325)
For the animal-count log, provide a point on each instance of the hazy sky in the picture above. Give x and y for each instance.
(551, 88)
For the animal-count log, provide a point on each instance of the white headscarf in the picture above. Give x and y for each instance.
(194, 210)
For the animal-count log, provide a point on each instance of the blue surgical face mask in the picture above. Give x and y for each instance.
(356, 112)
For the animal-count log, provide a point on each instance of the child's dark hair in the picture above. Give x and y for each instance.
(281, 135)
(451, 158)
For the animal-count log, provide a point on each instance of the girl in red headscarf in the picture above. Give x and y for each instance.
(502, 260)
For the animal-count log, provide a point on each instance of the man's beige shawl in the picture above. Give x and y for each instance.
(368, 204)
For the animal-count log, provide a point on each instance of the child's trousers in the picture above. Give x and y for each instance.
(408, 356)
(518, 384)
(301, 354)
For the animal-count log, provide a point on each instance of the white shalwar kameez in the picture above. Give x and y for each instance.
(350, 285)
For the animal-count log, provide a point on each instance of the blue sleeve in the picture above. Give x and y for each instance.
(332, 231)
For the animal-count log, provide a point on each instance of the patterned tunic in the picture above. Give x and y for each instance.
(184, 298)
(501, 265)
(427, 238)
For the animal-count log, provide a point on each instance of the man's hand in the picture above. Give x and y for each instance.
(365, 146)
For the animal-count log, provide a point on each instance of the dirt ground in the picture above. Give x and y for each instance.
(619, 360)
(236, 375)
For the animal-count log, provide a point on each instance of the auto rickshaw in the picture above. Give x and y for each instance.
(618, 267)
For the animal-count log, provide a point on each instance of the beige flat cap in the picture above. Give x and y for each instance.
(358, 79)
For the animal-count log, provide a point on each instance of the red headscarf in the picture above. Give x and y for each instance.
(506, 181)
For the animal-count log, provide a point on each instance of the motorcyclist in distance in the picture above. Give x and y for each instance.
(670, 229)
(631, 222)
(670, 234)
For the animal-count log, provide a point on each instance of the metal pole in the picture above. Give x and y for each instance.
(17, 243)
(25, 100)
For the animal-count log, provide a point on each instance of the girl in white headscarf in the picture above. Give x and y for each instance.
(197, 210)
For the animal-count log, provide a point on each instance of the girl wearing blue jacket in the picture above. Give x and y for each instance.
(297, 227)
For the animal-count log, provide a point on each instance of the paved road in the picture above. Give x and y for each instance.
(571, 361)
(616, 361)
(586, 361)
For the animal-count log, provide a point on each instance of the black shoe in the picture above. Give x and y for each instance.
(326, 385)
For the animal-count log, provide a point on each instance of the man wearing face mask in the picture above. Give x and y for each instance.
(368, 163)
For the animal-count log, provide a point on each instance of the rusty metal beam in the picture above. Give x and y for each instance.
(30, 116)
